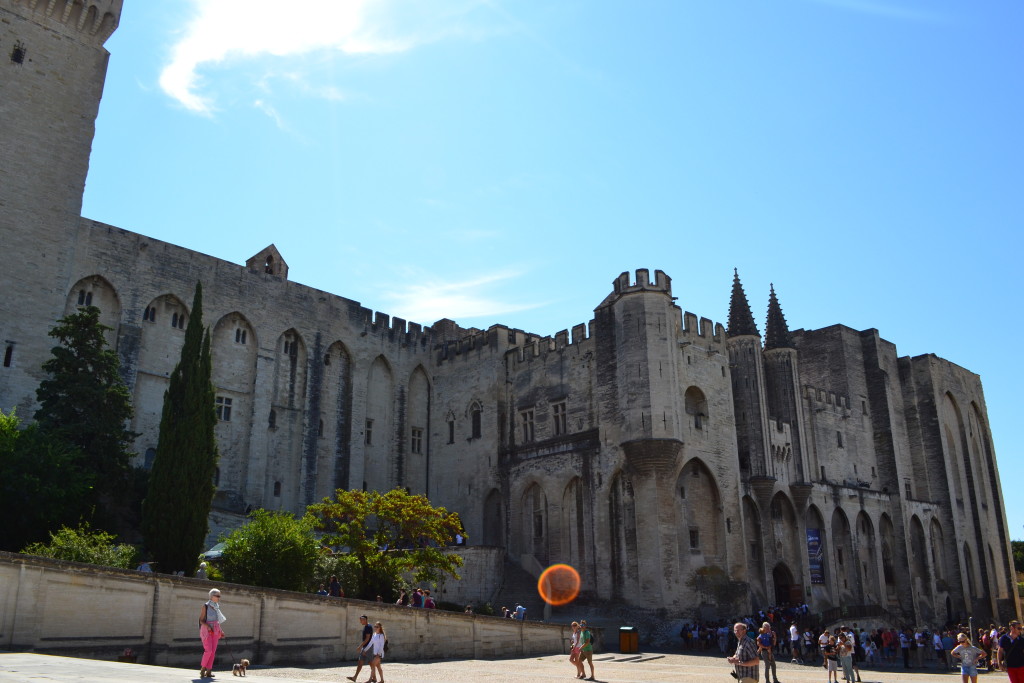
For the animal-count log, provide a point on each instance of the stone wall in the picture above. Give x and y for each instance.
(79, 610)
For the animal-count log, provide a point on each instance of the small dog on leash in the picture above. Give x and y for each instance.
(239, 669)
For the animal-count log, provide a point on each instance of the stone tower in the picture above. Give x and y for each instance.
(748, 388)
(52, 68)
(782, 386)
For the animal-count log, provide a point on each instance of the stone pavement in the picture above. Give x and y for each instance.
(609, 667)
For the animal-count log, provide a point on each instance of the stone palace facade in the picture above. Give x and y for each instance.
(644, 448)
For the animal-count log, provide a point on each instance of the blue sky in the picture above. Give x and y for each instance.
(502, 162)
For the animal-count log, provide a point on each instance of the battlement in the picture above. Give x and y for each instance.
(705, 329)
(661, 283)
(394, 328)
(502, 339)
(822, 398)
(96, 19)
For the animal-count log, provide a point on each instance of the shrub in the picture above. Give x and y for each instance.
(85, 545)
(273, 550)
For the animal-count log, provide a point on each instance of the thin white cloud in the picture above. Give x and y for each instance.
(272, 113)
(223, 30)
(879, 8)
(431, 299)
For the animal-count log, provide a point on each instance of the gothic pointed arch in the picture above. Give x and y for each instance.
(417, 415)
(867, 556)
(701, 521)
(623, 559)
(818, 562)
(290, 371)
(843, 557)
(533, 523)
(233, 344)
(920, 575)
(494, 519)
(887, 538)
(475, 414)
(785, 530)
(334, 447)
(378, 429)
(574, 520)
(96, 290)
(753, 531)
(161, 336)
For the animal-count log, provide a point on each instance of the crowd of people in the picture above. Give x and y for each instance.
(778, 633)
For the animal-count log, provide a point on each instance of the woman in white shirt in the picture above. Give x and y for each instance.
(376, 647)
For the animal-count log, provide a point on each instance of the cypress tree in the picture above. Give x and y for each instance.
(175, 512)
(84, 403)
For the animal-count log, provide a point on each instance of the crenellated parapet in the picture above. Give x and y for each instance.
(393, 329)
(93, 19)
(780, 439)
(823, 399)
(643, 283)
(703, 331)
(539, 348)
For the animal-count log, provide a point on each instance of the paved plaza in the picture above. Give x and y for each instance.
(609, 667)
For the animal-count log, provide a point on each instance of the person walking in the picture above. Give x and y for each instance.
(766, 642)
(587, 649)
(574, 649)
(364, 650)
(210, 632)
(744, 661)
(1010, 654)
(376, 647)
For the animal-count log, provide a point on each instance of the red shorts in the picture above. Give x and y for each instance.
(1016, 674)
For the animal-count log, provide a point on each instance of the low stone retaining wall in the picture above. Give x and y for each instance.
(81, 610)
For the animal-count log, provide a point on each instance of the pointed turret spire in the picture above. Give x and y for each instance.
(741, 320)
(776, 332)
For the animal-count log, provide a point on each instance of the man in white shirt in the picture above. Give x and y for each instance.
(794, 643)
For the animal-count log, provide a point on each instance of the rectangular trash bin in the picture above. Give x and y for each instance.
(629, 639)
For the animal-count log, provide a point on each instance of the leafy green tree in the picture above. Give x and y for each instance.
(82, 544)
(387, 536)
(1018, 555)
(85, 402)
(43, 484)
(175, 512)
(274, 550)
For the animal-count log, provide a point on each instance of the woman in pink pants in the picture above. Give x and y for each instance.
(210, 619)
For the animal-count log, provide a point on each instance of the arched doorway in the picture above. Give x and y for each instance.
(784, 585)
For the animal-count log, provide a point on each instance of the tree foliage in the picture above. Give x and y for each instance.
(43, 484)
(387, 536)
(274, 549)
(82, 544)
(175, 512)
(1018, 555)
(85, 402)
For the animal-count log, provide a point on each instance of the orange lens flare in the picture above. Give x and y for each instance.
(559, 584)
